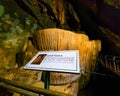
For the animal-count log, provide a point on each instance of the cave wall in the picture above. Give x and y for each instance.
(19, 19)
(100, 19)
(15, 27)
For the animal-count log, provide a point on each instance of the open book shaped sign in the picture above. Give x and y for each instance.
(60, 61)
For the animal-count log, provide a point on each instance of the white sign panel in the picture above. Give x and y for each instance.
(61, 61)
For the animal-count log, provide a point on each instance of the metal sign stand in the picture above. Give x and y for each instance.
(47, 79)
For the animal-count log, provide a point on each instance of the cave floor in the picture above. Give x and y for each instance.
(104, 84)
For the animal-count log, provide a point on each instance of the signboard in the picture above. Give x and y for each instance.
(60, 61)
